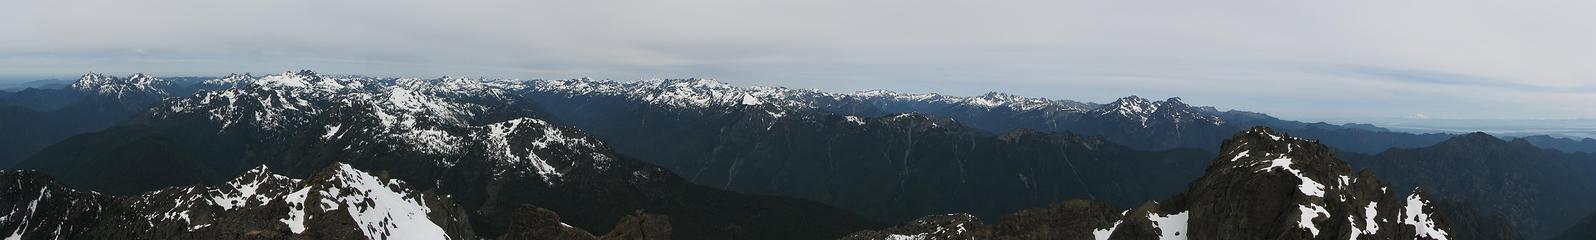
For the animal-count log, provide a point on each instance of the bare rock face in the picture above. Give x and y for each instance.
(1264, 185)
(529, 222)
(950, 226)
(641, 225)
(1073, 219)
(534, 223)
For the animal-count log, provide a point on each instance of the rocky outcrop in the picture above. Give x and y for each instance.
(534, 223)
(950, 226)
(1073, 219)
(529, 222)
(641, 225)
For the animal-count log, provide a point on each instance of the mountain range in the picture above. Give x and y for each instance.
(459, 137)
(699, 159)
(1132, 121)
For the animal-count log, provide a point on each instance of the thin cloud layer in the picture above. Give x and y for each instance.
(1309, 60)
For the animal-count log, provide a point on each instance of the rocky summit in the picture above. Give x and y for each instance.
(1264, 185)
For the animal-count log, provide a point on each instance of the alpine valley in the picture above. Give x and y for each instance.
(306, 155)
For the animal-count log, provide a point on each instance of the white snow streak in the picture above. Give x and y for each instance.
(1413, 215)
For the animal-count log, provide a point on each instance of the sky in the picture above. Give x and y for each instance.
(1307, 60)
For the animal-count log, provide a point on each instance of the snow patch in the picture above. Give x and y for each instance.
(1171, 227)
(1241, 155)
(856, 120)
(1413, 215)
(1369, 225)
(921, 236)
(1104, 233)
(1306, 214)
(1308, 187)
(296, 210)
(331, 131)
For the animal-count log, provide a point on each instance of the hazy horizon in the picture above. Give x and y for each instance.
(1308, 61)
(1574, 128)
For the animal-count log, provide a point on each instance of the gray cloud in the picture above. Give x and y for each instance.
(1432, 77)
(1446, 59)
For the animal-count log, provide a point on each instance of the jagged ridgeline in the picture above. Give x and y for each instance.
(1132, 121)
(476, 141)
(1265, 185)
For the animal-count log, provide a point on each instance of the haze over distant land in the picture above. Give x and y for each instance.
(1570, 128)
(1320, 60)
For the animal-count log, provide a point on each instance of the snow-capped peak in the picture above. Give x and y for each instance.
(1131, 106)
(305, 79)
(231, 80)
(997, 99)
(701, 93)
(138, 83)
(1148, 112)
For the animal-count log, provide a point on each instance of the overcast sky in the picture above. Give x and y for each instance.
(1309, 60)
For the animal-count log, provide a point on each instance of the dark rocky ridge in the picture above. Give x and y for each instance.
(1567, 145)
(1584, 230)
(534, 223)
